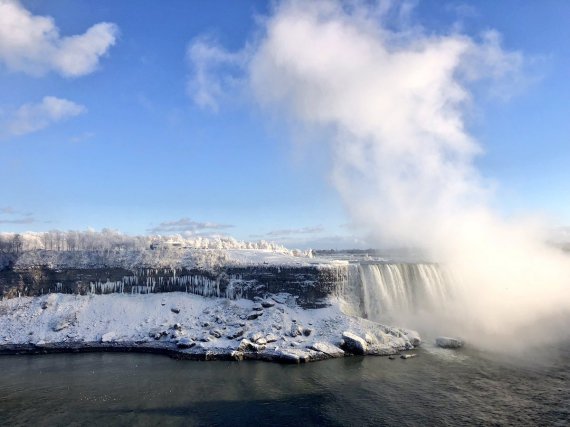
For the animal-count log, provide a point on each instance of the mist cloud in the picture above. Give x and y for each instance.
(392, 103)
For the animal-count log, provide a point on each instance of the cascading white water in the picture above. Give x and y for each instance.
(401, 292)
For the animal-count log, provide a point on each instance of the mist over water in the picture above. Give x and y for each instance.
(395, 100)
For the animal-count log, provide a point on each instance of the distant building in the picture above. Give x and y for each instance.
(166, 244)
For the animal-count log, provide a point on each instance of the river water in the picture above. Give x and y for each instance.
(438, 387)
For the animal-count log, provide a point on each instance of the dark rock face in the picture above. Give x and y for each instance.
(309, 284)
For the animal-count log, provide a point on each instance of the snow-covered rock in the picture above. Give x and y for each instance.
(328, 349)
(185, 343)
(354, 344)
(108, 337)
(448, 342)
(254, 315)
(271, 338)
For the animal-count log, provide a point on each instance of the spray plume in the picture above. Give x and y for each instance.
(395, 99)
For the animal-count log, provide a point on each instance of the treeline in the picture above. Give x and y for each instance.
(112, 240)
(57, 240)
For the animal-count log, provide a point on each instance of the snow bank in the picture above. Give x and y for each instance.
(274, 328)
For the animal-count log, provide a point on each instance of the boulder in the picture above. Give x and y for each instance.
(267, 303)
(447, 342)
(257, 307)
(379, 349)
(296, 330)
(157, 333)
(185, 343)
(175, 310)
(235, 334)
(328, 349)
(247, 345)
(353, 343)
(254, 315)
(271, 338)
(286, 357)
(216, 333)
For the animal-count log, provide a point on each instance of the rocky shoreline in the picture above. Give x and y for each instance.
(172, 350)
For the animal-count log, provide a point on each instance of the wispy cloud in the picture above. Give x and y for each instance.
(286, 233)
(32, 44)
(292, 231)
(462, 10)
(186, 225)
(81, 137)
(10, 215)
(206, 58)
(33, 117)
(24, 220)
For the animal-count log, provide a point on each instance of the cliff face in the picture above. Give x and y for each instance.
(309, 284)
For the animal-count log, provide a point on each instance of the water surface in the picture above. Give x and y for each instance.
(439, 387)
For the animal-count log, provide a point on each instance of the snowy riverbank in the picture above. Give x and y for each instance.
(194, 327)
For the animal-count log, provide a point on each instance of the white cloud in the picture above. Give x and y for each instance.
(206, 58)
(33, 117)
(32, 44)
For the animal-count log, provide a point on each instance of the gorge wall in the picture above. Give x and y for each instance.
(310, 285)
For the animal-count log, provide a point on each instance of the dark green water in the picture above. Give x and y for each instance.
(436, 388)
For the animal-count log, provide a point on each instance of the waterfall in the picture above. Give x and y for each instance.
(396, 292)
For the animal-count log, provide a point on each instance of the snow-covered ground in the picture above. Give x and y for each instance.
(274, 328)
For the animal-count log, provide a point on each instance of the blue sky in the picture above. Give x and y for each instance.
(140, 152)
